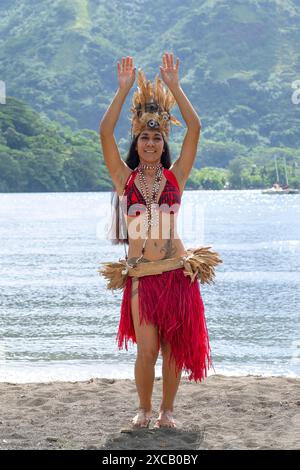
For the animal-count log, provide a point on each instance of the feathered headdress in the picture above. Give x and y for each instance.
(151, 106)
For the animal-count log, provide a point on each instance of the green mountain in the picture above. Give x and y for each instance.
(238, 61)
(39, 155)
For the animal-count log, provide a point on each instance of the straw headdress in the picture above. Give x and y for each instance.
(151, 105)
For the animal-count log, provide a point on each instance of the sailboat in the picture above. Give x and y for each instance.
(278, 188)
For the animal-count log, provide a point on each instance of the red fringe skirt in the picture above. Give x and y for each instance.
(173, 303)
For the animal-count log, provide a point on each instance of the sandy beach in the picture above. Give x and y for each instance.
(250, 412)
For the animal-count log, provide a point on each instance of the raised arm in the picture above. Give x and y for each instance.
(118, 169)
(184, 163)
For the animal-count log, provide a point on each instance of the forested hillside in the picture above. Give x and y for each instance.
(40, 155)
(238, 61)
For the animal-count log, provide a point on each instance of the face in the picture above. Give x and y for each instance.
(150, 146)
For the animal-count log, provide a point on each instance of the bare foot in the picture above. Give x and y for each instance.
(165, 420)
(142, 419)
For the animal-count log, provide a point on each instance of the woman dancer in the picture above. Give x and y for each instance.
(162, 309)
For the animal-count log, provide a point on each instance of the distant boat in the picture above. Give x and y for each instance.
(278, 188)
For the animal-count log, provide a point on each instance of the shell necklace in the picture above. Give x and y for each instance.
(151, 219)
(149, 201)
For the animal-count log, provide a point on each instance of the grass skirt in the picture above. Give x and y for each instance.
(173, 303)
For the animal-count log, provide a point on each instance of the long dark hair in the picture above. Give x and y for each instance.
(117, 232)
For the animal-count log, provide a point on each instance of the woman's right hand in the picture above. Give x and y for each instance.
(126, 73)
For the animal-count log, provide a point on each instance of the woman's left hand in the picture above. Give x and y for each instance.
(169, 73)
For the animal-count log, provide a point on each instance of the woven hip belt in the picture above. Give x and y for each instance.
(197, 263)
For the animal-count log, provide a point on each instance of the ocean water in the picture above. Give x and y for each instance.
(58, 321)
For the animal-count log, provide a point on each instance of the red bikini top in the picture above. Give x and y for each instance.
(169, 196)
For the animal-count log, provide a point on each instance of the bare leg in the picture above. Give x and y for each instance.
(170, 380)
(171, 383)
(147, 353)
(144, 372)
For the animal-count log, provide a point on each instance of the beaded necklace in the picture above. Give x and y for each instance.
(149, 221)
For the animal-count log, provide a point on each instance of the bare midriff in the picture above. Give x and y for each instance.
(163, 241)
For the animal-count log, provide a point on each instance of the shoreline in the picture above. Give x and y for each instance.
(25, 372)
(158, 377)
(221, 412)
